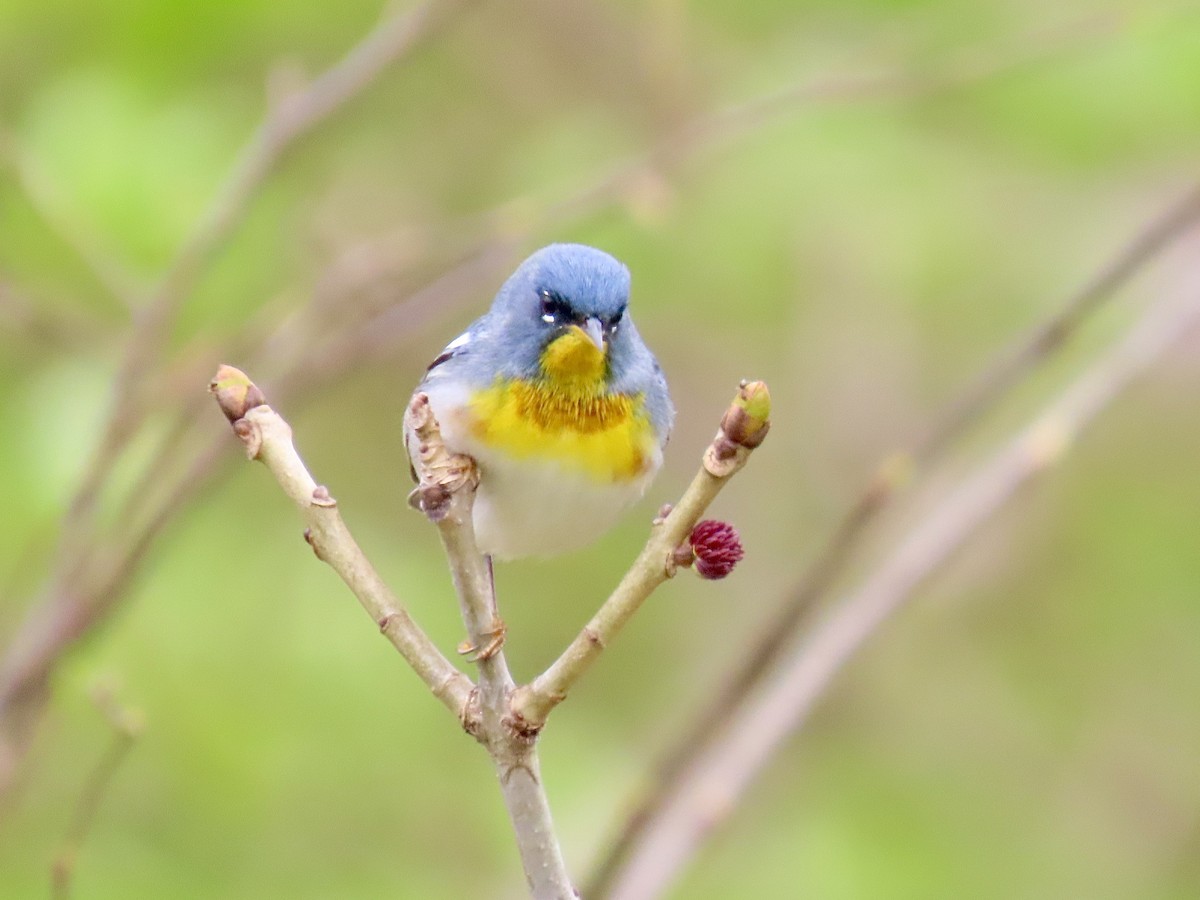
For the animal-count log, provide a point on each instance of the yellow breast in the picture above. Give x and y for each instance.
(607, 437)
(567, 416)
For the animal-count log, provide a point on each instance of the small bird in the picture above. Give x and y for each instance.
(558, 400)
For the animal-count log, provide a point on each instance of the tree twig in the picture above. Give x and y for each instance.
(891, 477)
(713, 781)
(446, 494)
(268, 438)
(68, 605)
(42, 196)
(743, 428)
(126, 726)
(286, 121)
(26, 323)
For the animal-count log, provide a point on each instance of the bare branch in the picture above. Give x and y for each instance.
(446, 493)
(82, 596)
(42, 195)
(126, 727)
(743, 428)
(286, 122)
(268, 438)
(708, 789)
(79, 589)
(29, 322)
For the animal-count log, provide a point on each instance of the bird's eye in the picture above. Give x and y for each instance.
(616, 320)
(554, 307)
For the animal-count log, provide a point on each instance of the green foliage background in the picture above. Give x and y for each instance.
(1029, 728)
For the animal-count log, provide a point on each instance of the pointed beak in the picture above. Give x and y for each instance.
(594, 329)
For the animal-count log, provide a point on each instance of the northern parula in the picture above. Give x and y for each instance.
(558, 400)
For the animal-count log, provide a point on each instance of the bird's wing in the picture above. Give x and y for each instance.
(456, 347)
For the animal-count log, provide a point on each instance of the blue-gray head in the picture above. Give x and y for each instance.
(561, 317)
(560, 287)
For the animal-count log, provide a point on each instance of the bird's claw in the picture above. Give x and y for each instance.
(495, 640)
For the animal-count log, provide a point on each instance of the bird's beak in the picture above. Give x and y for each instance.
(594, 329)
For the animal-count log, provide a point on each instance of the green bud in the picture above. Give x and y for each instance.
(748, 418)
(235, 393)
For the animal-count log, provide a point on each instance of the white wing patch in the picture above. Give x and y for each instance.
(451, 348)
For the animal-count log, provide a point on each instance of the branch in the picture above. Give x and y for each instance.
(27, 323)
(268, 438)
(446, 494)
(76, 593)
(42, 196)
(714, 781)
(743, 428)
(284, 124)
(126, 727)
(890, 479)
(78, 599)
(288, 120)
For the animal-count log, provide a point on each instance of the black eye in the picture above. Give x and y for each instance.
(554, 307)
(616, 320)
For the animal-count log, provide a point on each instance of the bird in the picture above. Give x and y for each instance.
(558, 400)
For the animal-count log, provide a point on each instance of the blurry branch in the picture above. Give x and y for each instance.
(126, 725)
(26, 320)
(961, 70)
(891, 478)
(645, 172)
(93, 587)
(712, 782)
(290, 118)
(79, 589)
(1008, 370)
(446, 494)
(268, 438)
(742, 429)
(41, 194)
(501, 230)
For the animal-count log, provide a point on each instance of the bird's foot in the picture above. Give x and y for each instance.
(478, 652)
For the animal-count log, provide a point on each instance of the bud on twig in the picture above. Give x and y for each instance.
(743, 427)
(748, 418)
(235, 393)
(715, 548)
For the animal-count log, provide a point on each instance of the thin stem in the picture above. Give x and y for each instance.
(534, 702)
(446, 494)
(42, 195)
(126, 728)
(73, 598)
(743, 428)
(268, 438)
(284, 124)
(713, 782)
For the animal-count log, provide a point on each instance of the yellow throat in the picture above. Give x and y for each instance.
(568, 416)
(574, 362)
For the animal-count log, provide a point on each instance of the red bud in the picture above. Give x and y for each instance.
(717, 547)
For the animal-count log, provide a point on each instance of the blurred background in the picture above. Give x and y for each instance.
(859, 202)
